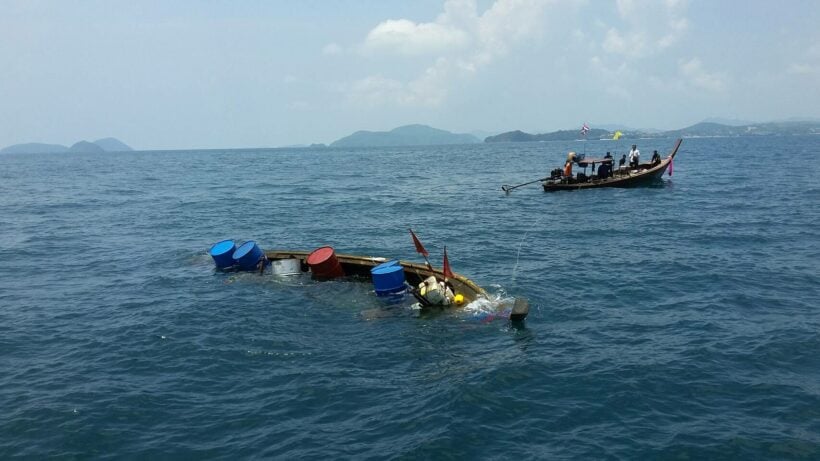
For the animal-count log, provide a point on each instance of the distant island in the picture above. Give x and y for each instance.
(100, 145)
(408, 135)
(561, 135)
(703, 129)
(423, 135)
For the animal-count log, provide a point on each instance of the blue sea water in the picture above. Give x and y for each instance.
(678, 321)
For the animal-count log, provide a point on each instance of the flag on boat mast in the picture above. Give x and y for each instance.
(446, 270)
(584, 129)
(420, 249)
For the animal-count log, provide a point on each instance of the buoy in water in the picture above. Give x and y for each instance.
(388, 278)
(324, 265)
(222, 253)
(247, 256)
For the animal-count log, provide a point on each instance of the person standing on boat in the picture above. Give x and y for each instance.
(568, 169)
(568, 165)
(656, 158)
(634, 156)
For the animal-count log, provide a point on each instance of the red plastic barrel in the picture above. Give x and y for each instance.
(323, 264)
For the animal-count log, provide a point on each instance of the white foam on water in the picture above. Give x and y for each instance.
(495, 304)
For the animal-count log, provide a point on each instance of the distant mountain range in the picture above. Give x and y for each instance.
(100, 145)
(703, 129)
(423, 135)
(561, 135)
(409, 135)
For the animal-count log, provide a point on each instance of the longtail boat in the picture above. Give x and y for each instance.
(645, 173)
(414, 273)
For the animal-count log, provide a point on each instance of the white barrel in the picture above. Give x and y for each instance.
(286, 266)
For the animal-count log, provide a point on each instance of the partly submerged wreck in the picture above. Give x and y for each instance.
(431, 288)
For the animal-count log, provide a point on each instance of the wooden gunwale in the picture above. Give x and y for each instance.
(355, 265)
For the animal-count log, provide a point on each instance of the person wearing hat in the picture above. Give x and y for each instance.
(568, 165)
(568, 169)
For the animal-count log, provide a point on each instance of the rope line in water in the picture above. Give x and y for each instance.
(518, 253)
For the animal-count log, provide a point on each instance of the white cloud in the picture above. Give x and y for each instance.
(408, 38)
(509, 22)
(615, 42)
(332, 49)
(810, 64)
(614, 76)
(698, 77)
(804, 69)
(461, 41)
(377, 90)
(425, 90)
(648, 27)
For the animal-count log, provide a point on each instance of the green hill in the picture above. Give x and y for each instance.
(113, 145)
(85, 146)
(34, 148)
(758, 129)
(100, 145)
(561, 135)
(703, 129)
(409, 135)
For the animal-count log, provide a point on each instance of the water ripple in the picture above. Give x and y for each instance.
(676, 321)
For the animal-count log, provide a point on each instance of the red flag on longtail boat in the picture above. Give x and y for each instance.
(671, 163)
(448, 274)
(419, 246)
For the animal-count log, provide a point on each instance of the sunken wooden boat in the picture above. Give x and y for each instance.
(645, 173)
(360, 267)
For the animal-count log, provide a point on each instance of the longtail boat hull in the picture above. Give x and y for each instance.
(647, 175)
(360, 266)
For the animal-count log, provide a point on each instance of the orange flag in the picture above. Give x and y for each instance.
(448, 274)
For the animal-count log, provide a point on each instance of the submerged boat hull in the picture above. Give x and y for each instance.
(360, 266)
(647, 175)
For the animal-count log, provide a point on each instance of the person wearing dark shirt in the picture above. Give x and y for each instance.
(656, 158)
(605, 170)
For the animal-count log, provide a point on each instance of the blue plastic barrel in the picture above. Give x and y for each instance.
(222, 252)
(388, 278)
(247, 256)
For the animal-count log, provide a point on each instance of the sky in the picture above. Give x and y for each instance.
(231, 74)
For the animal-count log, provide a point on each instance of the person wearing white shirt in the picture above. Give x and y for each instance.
(634, 156)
